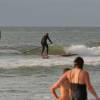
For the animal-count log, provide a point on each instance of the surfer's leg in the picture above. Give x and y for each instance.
(47, 48)
(43, 48)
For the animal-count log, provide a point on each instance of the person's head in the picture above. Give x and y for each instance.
(46, 33)
(66, 69)
(79, 62)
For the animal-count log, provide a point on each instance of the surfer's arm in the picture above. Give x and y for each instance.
(49, 40)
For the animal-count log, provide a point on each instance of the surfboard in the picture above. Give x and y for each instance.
(63, 55)
(45, 56)
(68, 55)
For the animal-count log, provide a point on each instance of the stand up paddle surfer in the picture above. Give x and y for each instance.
(45, 44)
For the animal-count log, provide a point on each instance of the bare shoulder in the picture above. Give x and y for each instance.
(85, 73)
(68, 73)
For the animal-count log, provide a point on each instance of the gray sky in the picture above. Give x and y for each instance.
(50, 12)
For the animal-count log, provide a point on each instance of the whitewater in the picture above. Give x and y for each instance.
(14, 58)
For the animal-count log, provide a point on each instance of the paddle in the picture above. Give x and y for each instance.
(36, 47)
(32, 49)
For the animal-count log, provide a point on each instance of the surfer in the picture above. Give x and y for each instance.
(79, 81)
(45, 44)
(64, 92)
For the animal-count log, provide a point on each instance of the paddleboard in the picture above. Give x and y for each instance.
(45, 56)
(68, 55)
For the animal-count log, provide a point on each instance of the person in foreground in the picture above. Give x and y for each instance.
(44, 43)
(64, 92)
(79, 80)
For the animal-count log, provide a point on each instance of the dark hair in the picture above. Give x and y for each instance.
(66, 69)
(79, 62)
(46, 33)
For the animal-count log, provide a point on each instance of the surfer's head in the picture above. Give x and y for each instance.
(79, 62)
(46, 33)
(66, 69)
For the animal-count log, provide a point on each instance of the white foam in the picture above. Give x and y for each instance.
(29, 61)
(84, 50)
(19, 61)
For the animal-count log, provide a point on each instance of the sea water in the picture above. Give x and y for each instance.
(29, 77)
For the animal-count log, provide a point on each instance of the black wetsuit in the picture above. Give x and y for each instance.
(79, 91)
(44, 43)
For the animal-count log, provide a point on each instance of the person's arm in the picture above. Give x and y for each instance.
(57, 85)
(49, 40)
(53, 90)
(90, 87)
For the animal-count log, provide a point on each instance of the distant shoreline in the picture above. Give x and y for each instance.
(50, 28)
(8, 26)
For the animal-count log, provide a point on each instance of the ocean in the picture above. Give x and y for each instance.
(24, 75)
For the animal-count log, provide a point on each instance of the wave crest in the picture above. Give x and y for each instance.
(83, 50)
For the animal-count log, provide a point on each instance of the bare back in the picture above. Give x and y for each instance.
(77, 76)
(77, 84)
